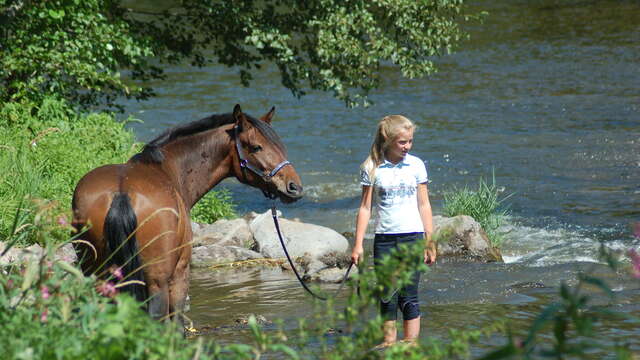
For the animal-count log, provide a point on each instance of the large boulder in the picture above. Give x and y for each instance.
(234, 232)
(462, 238)
(300, 238)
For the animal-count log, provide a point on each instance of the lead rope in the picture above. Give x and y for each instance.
(274, 214)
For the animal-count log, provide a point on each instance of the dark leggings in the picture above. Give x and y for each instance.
(406, 297)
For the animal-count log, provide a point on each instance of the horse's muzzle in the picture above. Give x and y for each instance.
(293, 192)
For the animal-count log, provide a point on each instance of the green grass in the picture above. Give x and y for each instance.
(484, 205)
(46, 150)
(217, 204)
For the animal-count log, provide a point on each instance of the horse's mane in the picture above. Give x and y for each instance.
(151, 152)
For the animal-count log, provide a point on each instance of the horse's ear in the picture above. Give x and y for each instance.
(268, 116)
(238, 116)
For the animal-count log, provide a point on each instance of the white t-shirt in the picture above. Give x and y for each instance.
(395, 195)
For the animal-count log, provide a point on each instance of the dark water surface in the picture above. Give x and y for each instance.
(546, 94)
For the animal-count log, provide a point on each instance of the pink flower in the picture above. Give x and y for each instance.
(635, 263)
(107, 288)
(44, 291)
(62, 220)
(43, 316)
(116, 272)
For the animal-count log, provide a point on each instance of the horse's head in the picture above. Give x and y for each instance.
(261, 158)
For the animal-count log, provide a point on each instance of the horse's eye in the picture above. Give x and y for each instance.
(255, 148)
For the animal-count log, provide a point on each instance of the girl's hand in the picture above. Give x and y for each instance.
(430, 255)
(356, 254)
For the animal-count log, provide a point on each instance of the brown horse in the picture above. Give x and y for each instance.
(136, 215)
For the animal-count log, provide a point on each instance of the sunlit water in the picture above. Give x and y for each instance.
(546, 95)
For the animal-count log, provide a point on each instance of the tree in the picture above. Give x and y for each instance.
(76, 49)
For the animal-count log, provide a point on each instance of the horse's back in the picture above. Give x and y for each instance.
(147, 187)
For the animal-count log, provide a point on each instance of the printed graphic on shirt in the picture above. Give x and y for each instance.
(397, 193)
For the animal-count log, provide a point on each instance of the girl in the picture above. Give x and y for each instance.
(397, 183)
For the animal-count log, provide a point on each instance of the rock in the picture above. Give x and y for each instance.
(67, 253)
(207, 255)
(224, 232)
(20, 254)
(330, 275)
(244, 319)
(528, 285)
(300, 238)
(333, 259)
(35, 252)
(462, 238)
(312, 266)
(195, 227)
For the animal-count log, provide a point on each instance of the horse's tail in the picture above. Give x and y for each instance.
(119, 232)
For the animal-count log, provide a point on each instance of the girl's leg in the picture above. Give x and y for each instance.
(382, 246)
(409, 303)
(390, 332)
(411, 329)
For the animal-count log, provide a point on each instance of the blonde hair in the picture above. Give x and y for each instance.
(388, 129)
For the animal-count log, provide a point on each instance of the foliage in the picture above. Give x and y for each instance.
(70, 49)
(213, 206)
(59, 47)
(54, 312)
(484, 205)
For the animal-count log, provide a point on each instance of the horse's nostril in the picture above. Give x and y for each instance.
(293, 188)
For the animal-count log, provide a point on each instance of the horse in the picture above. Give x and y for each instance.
(135, 217)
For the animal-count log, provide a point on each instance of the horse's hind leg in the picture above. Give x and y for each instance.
(159, 300)
(178, 289)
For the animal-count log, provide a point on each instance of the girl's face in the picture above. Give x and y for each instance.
(400, 146)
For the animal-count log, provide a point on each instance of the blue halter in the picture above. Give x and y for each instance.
(246, 165)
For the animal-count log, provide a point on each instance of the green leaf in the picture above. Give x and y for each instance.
(56, 14)
(599, 283)
(113, 330)
(547, 315)
(70, 269)
(30, 275)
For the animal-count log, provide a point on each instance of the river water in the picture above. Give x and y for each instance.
(545, 94)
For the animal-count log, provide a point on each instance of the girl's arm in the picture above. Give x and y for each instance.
(424, 207)
(362, 220)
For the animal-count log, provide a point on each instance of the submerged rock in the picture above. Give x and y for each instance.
(208, 255)
(330, 275)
